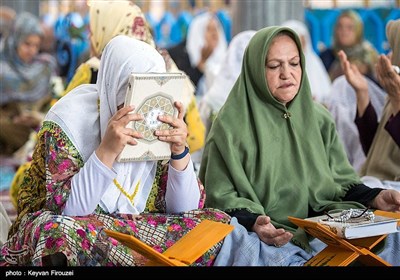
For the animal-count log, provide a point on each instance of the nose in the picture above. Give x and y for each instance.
(284, 72)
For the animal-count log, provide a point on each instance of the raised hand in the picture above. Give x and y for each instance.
(117, 135)
(176, 136)
(389, 80)
(357, 80)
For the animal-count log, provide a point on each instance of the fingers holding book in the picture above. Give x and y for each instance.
(178, 132)
(118, 135)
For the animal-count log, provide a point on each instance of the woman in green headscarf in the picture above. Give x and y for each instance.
(272, 153)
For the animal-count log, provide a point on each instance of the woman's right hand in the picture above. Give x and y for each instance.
(118, 135)
(357, 80)
(270, 235)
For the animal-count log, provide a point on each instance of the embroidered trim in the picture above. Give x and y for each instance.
(131, 197)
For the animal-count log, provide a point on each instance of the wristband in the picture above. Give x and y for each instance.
(182, 155)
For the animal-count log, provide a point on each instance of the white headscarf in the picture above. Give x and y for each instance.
(230, 69)
(317, 75)
(85, 123)
(196, 41)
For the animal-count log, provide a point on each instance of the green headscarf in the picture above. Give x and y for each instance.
(258, 160)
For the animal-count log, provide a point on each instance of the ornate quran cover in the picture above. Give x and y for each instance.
(152, 94)
(185, 251)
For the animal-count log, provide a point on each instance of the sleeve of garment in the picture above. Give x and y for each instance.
(244, 217)
(182, 192)
(362, 194)
(367, 126)
(88, 187)
(392, 126)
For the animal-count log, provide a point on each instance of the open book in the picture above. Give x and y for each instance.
(152, 94)
(185, 251)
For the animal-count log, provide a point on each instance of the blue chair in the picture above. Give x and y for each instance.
(180, 27)
(374, 28)
(163, 30)
(313, 25)
(226, 22)
(71, 42)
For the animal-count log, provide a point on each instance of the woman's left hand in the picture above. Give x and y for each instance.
(387, 200)
(176, 136)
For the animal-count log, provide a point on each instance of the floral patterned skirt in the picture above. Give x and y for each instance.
(84, 243)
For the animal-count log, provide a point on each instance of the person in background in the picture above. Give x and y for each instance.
(287, 160)
(75, 188)
(380, 139)
(320, 82)
(349, 37)
(214, 98)
(231, 65)
(201, 53)
(25, 83)
(108, 19)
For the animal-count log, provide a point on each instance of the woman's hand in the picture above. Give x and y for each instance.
(270, 235)
(118, 135)
(357, 81)
(387, 200)
(176, 136)
(390, 81)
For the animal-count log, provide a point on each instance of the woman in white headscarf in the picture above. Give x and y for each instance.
(75, 188)
(201, 54)
(230, 68)
(320, 82)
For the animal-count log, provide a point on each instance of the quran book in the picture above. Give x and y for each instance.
(360, 227)
(152, 94)
(185, 251)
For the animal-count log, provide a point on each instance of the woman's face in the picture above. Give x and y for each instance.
(29, 48)
(283, 69)
(211, 34)
(346, 31)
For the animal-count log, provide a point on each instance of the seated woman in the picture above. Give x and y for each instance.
(287, 160)
(25, 83)
(231, 64)
(75, 188)
(349, 37)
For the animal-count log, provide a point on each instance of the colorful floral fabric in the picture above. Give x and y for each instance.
(42, 230)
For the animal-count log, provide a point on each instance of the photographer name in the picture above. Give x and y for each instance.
(38, 273)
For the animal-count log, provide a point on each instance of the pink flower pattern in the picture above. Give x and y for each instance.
(82, 238)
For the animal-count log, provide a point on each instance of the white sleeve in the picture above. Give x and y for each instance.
(88, 187)
(183, 193)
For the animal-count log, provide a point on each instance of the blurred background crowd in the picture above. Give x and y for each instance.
(44, 42)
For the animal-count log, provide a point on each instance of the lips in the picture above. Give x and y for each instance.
(286, 85)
